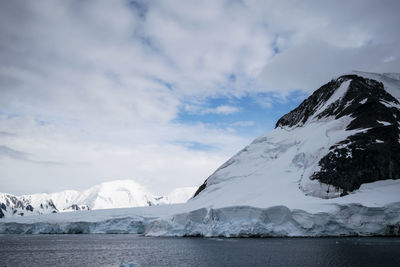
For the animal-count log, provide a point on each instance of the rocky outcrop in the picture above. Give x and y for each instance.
(75, 207)
(370, 155)
(13, 205)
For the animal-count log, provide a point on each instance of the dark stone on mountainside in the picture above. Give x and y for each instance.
(201, 188)
(51, 204)
(29, 207)
(74, 207)
(3, 206)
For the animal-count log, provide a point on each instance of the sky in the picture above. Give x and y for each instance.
(164, 92)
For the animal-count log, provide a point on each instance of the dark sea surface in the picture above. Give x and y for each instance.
(131, 250)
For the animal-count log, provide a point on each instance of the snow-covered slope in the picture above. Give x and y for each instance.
(108, 195)
(116, 194)
(179, 195)
(344, 135)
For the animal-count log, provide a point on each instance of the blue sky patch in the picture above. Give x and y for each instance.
(255, 113)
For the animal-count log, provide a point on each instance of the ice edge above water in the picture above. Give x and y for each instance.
(236, 221)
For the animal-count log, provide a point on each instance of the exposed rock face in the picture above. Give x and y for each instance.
(360, 89)
(371, 154)
(365, 157)
(75, 207)
(10, 205)
(201, 188)
(29, 207)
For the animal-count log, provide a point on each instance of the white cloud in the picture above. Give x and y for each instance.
(98, 85)
(223, 109)
(328, 39)
(242, 124)
(264, 101)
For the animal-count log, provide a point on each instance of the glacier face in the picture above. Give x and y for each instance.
(238, 221)
(115, 194)
(245, 221)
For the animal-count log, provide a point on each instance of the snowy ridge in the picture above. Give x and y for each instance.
(11, 205)
(115, 194)
(390, 80)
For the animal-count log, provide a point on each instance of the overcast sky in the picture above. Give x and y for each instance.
(163, 92)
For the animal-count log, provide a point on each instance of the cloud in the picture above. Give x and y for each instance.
(99, 86)
(8, 152)
(11, 153)
(242, 124)
(264, 101)
(6, 134)
(223, 109)
(327, 40)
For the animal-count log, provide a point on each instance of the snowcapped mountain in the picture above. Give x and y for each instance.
(116, 194)
(345, 135)
(11, 205)
(108, 195)
(331, 167)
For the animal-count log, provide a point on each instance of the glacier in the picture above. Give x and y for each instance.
(379, 214)
(238, 221)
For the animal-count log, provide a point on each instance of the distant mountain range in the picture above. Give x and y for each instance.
(108, 195)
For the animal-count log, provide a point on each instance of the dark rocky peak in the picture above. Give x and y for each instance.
(369, 153)
(347, 95)
(13, 201)
(372, 154)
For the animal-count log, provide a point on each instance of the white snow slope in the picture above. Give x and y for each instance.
(264, 190)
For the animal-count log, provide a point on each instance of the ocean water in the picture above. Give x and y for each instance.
(132, 250)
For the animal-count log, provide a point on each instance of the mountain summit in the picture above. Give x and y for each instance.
(345, 135)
